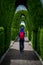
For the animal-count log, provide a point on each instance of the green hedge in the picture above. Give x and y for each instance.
(1, 41)
(6, 12)
(34, 41)
(13, 33)
(38, 41)
(41, 43)
(29, 34)
(32, 38)
(7, 38)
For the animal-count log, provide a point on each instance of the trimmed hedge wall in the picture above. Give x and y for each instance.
(14, 33)
(29, 35)
(41, 43)
(7, 38)
(34, 41)
(37, 41)
(2, 38)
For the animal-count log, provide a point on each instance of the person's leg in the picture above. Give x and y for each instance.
(20, 45)
(23, 43)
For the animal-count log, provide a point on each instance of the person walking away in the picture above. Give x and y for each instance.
(21, 37)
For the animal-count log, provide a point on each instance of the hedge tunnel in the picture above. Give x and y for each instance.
(18, 18)
(10, 22)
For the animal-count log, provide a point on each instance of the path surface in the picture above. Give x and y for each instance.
(14, 57)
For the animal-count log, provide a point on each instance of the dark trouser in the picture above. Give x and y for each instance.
(21, 44)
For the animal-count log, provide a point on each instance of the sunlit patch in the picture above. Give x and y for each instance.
(24, 62)
(22, 23)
